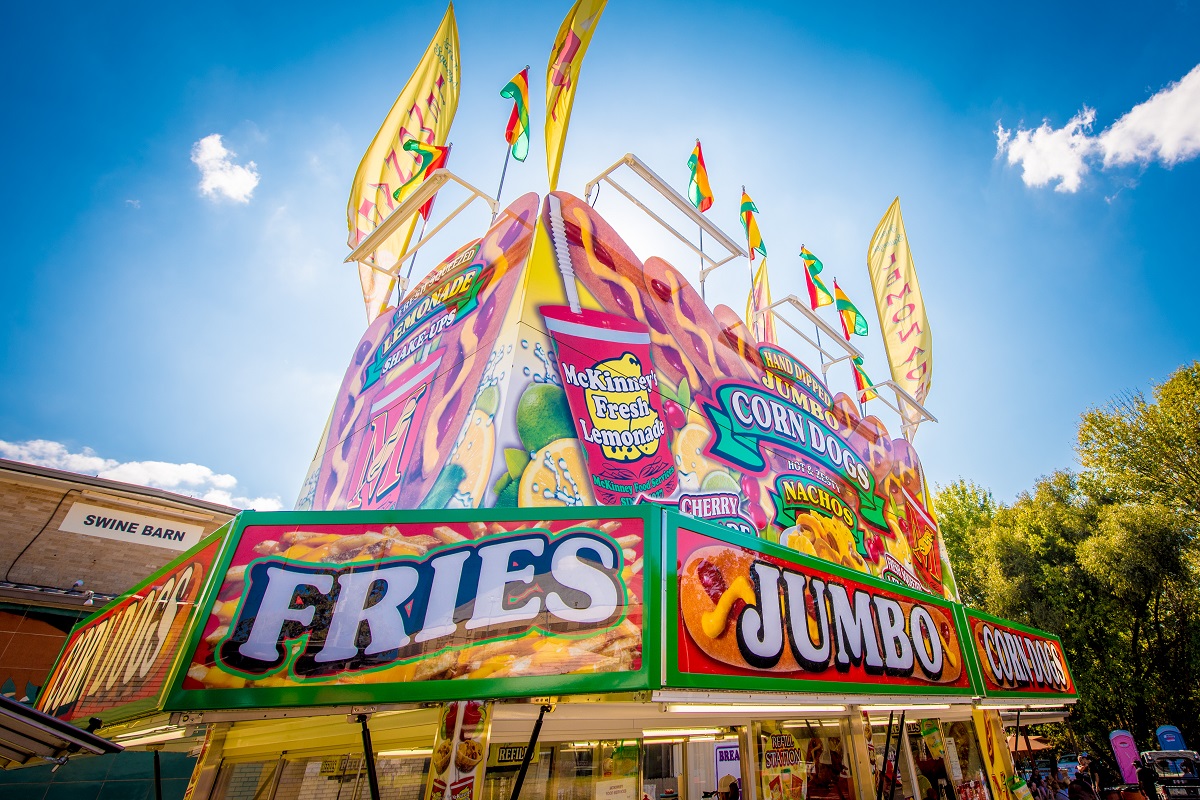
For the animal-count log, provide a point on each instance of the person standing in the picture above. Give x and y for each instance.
(1146, 777)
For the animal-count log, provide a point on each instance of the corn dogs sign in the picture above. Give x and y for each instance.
(755, 614)
(316, 603)
(114, 666)
(1016, 661)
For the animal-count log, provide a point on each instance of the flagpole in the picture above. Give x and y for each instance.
(702, 297)
(862, 410)
(413, 260)
(503, 172)
(507, 155)
(816, 327)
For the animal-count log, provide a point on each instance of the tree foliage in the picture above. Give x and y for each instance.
(1107, 558)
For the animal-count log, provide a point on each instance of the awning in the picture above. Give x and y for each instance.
(1026, 744)
(27, 734)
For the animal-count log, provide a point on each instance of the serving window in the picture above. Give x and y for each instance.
(805, 759)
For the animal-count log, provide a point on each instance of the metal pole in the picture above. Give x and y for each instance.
(533, 739)
(1016, 739)
(413, 260)
(503, 172)
(887, 744)
(820, 347)
(702, 297)
(157, 777)
(369, 757)
(900, 742)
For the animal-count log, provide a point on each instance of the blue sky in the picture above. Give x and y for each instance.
(159, 334)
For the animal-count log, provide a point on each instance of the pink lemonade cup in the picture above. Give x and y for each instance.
(612, 391)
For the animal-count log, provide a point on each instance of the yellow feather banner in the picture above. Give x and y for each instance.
(562, 77)
(423, 111)
(763, 327)
(898, 300)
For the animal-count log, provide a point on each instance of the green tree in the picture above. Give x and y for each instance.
(963, 508)
(1107, 558)
(1148, 450)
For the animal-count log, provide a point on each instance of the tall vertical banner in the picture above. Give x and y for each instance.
(562, 77)
(902, 319)
(390, 172)
(457, 764)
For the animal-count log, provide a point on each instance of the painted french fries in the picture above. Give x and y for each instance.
(534, 653)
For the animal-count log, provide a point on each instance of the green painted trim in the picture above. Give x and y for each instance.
(179, 699)
(675, 678)
(969, 652)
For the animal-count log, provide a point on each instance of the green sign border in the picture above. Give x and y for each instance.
(967, 614)
(151, 705)
(677, 679)
(179, 699)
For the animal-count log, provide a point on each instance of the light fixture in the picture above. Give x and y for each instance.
(402, 753)
(667, 732)
(908, 707)
(735, 708)
(154, 738)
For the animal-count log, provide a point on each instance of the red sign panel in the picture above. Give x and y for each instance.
(1018, 661)
(116, 664)
(745, 612)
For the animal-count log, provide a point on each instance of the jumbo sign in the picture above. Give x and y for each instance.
(115, 664)
(312, 601)
(755, 613)
(1018, 661)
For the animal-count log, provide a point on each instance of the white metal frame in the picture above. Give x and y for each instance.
(903, 402)
(639, 168)
(409, 208)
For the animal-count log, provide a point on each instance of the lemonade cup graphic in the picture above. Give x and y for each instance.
(612, 390)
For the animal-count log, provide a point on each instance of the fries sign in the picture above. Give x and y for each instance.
(377, 606)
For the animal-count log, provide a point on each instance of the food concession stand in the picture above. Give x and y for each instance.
(577, 538)
(605, 621)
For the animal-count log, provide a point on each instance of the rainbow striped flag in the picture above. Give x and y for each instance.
(754, 239)
(517, 132)
(429, 157)
(699, 192)
(866, 389)
(818, 295)
(852, 320)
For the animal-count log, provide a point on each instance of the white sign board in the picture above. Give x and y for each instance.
(952, 757)
(728, 761)
(616, 789)
(131, 526)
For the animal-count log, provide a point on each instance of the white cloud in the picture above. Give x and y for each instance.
(1165, 128)
(192, 480)
(1046, 154)
(219, 176)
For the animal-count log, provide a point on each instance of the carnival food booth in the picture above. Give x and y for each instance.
(583, 539)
